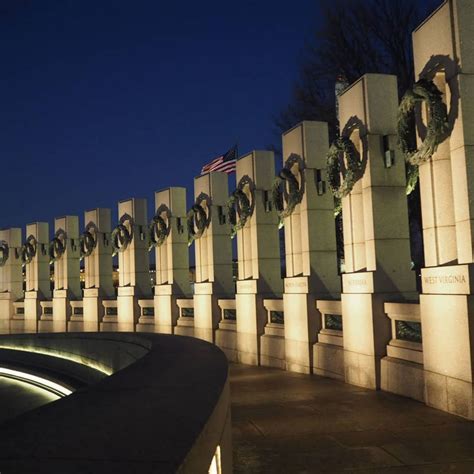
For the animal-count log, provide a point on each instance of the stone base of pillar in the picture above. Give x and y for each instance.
(145, 326)
(302, 323)
(128, 311)
(61, 310)
(75, 322)
(32, 312)
(109, 321)
(362, 370)
(328, 360)
(76, 325)
(185, 327)
(206, 334)
(93, 310)
(90, 326)
(166, 309)
(367, 329)
(328, 352)
(449, 394)
(403, 378)
(6, 312)
(46, 324)
(206, 312)
(366, 334)
(109, 324)
(18, 327)
(251, 320)
(226, 339)
(248, 348)
(272, 346)
(447, 321)
(30, 326)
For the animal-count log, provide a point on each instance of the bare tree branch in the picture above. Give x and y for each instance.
(356, 37)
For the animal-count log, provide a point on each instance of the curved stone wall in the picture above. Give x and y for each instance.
(165, 408)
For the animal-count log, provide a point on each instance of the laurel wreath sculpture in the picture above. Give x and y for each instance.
(4, 252)
(158, 230)
(287, 188)
(437, 123)
(436, 128)
(88, 240)
(121, 236)
(28, 250)
(197, 218)
(239, 207)
(57, 246)
(354, 168)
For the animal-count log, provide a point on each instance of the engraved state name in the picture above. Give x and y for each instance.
(433, 280)
(357, 282)
(295, 284)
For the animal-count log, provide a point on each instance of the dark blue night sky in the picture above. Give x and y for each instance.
(102, 100)
(110, 99)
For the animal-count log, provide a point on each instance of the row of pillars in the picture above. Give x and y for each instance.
(376, 244)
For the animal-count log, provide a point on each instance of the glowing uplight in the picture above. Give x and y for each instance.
(45, 384)
(215, 467)
(79, 359)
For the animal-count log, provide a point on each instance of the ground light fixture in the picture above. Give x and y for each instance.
(40, 382)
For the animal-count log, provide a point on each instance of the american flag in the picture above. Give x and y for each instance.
(225, 162)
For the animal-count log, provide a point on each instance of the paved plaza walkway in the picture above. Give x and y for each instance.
(291, 423)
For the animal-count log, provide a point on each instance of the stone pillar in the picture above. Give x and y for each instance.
(134, 268)
(97, 267)
(11, 278)
(375, 220)
(67, 285)
(310, 243)
(172, 258)
(258, 249)
(213, 250)
(38, 283)
(444, 51)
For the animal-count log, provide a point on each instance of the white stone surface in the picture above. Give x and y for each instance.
(134, 270)
(310, 246)
(66, 272)
(97, 268)
(213, 251)
(11, 278)
(172, 259)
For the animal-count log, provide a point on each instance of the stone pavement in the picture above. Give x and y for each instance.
(290, 423)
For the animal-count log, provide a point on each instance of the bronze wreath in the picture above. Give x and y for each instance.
(158, 230)
(88, 240)
(121, 237)
(239, 206)
(28, 250)
(57, 246)
(4, 252)
(197, 222)
(291, 195)
(437, 124)
(354, 169)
